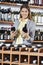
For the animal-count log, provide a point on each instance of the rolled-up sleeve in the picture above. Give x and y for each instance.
(31, 31)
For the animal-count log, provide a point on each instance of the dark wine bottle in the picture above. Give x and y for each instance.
(25, 60)
(13, 29)
(42, 61)
(1, 45)
(35, 61)
(7, 58)
(25, 28)
(16, 49)
(35, 49)
(39, 35)
(7, 46)
(5, 35)
(24, 49)
(3, 14)
(24, 1)
(0, 14)
(16, 58)
(17, 1)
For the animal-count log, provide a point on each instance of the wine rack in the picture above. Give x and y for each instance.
(21, 56)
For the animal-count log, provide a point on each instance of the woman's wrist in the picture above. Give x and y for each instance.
(28, 37)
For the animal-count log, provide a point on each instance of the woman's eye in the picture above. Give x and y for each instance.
(24, 11)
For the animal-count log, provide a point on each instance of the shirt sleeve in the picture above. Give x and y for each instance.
(31, 32)
(16, 24)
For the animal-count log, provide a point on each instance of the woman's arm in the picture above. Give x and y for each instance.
(31, 30)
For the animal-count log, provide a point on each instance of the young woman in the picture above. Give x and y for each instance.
(25, 26)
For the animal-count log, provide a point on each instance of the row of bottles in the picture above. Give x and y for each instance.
(23, 59)
(8, 64)
(21, 48)
(36, 2)
(5, 28)
(15, 1)
(4, 35)
(38, 35)
(8, 14)
(37, 17)
(14, 57)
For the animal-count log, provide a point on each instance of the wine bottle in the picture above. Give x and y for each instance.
(1, 36)
(6, 14)
(35, 49)
(36, 2)
(25, 28)
(42, 36)
(17, 1)
(7, 0)
(9, 16)
(8, 46)
(3, 14)
(35, 61)
(7, 58)
(16, 48)
(31, 2)
(16, 59)
(13, 29)
(0, 14)
(5, 35)
(24, 1)
(24, 49)
(25, 60)
(39, 35)
(1, 45)
(40, 2)
(41, 61)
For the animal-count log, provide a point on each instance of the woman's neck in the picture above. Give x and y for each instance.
(22, 19)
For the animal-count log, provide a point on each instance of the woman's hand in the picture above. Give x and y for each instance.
(12, 34)
(25, 35)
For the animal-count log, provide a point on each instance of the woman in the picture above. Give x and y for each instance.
(25, 19)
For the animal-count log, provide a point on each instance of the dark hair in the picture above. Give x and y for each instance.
(27, 7)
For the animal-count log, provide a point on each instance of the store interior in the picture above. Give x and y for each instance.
(20, 54)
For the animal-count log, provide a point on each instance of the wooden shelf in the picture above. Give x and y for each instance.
(13, 40)
(33, 64)
(36, 6)
(17, 4)
(23, 63)
(6, 22)
(15, 62)
(8, 62)
(38, 41)
(6, 41)
(39, 24)
(8, 3)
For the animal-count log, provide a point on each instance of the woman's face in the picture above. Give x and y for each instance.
(24, 13)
